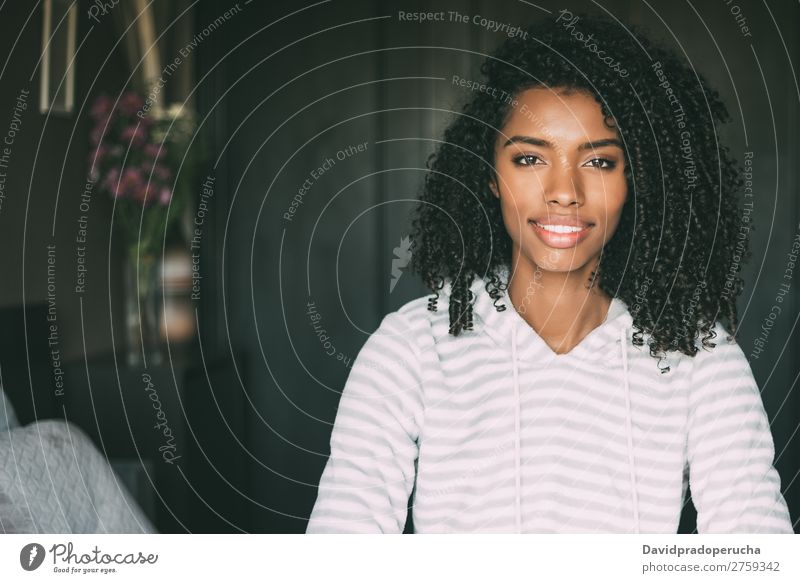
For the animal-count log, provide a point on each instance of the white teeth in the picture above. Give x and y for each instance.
(560, 228)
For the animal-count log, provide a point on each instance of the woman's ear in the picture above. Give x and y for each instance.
(493, 187)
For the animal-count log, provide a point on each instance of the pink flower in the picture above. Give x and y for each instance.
(130, 103)
(134, 134)
(165, 196)
(154, 151)
(132, 184)
(110, 181)
(143, 195)
(162, 172)
(101, 108)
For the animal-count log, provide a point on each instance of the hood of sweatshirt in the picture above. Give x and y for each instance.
(607, 345)
(601, 345)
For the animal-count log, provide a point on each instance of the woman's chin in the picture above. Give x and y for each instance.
(564, 262)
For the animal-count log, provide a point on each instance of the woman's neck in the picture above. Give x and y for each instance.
(559, 306)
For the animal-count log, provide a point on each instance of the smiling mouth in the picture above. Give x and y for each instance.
(561, 228)
(560, 236)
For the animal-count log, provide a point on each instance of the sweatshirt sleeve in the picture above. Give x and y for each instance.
(368, 478)
(735, 487)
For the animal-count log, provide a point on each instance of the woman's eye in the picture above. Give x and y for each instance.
(526, 160)
(598, 163)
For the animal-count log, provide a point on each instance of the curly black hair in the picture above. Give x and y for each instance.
(677, 252)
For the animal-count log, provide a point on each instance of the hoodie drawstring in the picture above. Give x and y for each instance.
(623, 339)
(631, 461)
(516, 427)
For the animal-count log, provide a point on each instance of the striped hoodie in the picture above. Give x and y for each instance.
(492, 431)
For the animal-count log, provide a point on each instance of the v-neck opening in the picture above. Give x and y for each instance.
(552, 355)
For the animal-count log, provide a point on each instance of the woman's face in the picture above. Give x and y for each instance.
(560, 179)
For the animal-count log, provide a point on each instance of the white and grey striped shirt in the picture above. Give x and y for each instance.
(494, 432)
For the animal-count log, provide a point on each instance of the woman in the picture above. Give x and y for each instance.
(577, 210)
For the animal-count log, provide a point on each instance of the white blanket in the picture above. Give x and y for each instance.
(54, 480)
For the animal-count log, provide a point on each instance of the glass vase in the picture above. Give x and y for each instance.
(142, 310)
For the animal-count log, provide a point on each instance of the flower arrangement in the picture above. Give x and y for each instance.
(140, 158)
(133, 158)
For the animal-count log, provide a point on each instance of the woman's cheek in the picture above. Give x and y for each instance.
(613, 219)
(512, 219)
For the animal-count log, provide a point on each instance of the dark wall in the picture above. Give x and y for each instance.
(288, 88)
(46, 177)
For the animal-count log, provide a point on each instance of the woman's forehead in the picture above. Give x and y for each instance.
(557, 115)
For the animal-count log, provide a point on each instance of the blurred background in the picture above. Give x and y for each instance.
(271, 153)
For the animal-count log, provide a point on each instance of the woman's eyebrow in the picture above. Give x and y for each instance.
(545, 144)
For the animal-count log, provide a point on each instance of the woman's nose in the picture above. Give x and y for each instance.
(563, 186)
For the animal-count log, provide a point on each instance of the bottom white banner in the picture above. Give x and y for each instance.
(462, 558)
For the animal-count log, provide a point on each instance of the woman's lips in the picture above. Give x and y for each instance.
(559, 240)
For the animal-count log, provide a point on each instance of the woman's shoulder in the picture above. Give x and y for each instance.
(724, 346)
(723, 365)
(414, 317)
(405, 328)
